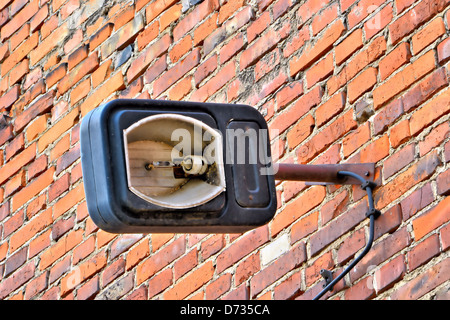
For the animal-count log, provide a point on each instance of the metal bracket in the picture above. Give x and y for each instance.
(328, 276)
(324, 174)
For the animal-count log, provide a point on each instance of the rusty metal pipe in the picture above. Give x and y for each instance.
(324, 173)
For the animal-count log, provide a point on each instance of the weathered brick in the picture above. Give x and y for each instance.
(429, 112)
(241, 248)
(69, 200)
(262, 45)
(176, 72)
(112, 85)
(277, 269)
(320, 70)
(88, 65)
(190, 283)
(20, 19)
(432, 219)
(313, 52)
(19, 53)
(424, 282)
(390, 273)
(122, 37)
(8, 99)
(427, 35)
(159, 260)
(348, 46)
(418, 172)
(394, 60)
(404, 79)
(100, 36)
(326, 137)
(56, 37)
(17, 162)
(139, 65)
(415, 17)
(423, 252)
(16, 280)
(215, 83)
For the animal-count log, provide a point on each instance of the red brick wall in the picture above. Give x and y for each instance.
(340, 81)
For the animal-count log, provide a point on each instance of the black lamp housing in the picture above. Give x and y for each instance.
(247, 201)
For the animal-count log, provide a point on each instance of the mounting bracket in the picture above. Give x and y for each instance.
(328, 276)
(324, 174)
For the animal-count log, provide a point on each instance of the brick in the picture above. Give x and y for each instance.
(113, 271)
(427, 35)
(359, 12)
(277, 269)
(355, 139)
(399, 133)
(176, 72)
(424, 282)
(19, 19)
(33, 189)
(56, 74)
(229, 9)
(100, 36)
(12, 224)
(394, 60)
(330, 108)
(160, 282)
(30, 229)
(247, 268)
(348, 46)
(288, 94)
(320, 70)
(337, 227)
(378, 22)
(434, 138)
(404, 79)
(350, 246)
(19, 36)
(19, 53)
(8, 99)
(443, 183)
(266, 64)
(432, 219)
(326, 137)
(399, 160)
(388, 115)
(242, 247)
(205, 29)
(322, 20)
(15, 183)
(190, 283)
(58, 129)
(80, 91)
(18, 72)
(423, 252)
(199, 13)
(16, 280)
(414, 18)
(262, 45)
(113, 84)
(77, 56)
(69, 201)
(84, 270)
(17, 162)
(418, 172)
(57, 36)
(334, 207)
(258, 26)
(214, 84)
(185, 264)
(312, 53)
(180, 49)
(169, 16)
(429, 112)
(60, 186)
(88, 66)
(443, 50)
(297, 41)
(295, 111)
(361, 84)
(231, 48)
(136, 254)
(416, 201)
(158, 261)
(389, 274)
(205, 69)
(36, 167)
(307, 201)
(445, 237)
(300, 131)
(122, 37)
(155, 8)
(38, 19)
(310, 8)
